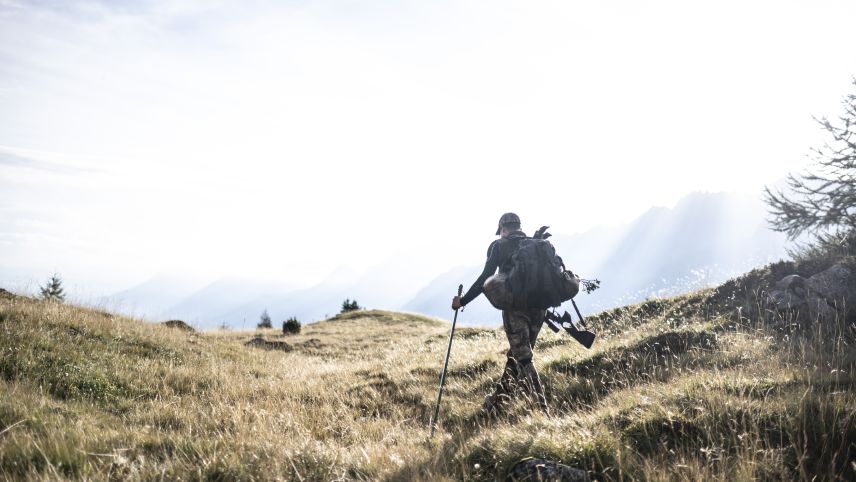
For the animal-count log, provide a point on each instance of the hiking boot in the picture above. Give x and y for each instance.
(493, 403)
(532, 383)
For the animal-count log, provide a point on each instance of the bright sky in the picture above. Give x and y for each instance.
(284, 139)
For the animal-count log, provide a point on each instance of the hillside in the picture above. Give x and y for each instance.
(710, 385)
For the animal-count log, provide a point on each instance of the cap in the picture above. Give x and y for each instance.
(505, 219)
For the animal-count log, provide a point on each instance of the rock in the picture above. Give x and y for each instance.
(260, 342)
(311, 343)
(789, 293)
(541, 470)
(835, 285)
(178, 324)
(819, 296)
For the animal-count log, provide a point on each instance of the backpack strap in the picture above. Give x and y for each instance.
(564, 268)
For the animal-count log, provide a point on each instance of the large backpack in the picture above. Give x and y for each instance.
(537, 279)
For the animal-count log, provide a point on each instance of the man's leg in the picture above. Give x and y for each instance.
(522, 328)
(507, 383)
(530, 374)
(536, 321)
(504, 387)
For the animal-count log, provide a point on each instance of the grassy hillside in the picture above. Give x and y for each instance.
(704, 386)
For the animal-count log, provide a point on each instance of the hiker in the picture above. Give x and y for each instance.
(521, 326)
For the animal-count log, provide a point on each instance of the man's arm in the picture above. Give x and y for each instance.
(490, 267)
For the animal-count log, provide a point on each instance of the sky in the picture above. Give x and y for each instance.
(286, 140)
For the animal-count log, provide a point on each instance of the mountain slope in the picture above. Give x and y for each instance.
(151, 297)
(203, 307)
(702, 241)
(386, 285)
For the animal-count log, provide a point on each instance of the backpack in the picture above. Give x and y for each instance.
(537, 279)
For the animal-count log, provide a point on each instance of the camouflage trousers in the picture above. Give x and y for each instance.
(522, 328)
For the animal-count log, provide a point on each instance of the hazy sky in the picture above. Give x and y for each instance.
(284, 139)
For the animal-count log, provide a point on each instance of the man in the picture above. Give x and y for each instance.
(521, 326)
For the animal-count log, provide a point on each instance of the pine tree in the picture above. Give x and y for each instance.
(53, 291)
(265, 321)
(823, 200)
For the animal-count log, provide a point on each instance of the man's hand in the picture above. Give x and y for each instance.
(456, 303)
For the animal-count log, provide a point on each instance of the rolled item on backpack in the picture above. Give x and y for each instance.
(570, 285)
(497, 292)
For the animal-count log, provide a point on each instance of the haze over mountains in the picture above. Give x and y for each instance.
(703, 240)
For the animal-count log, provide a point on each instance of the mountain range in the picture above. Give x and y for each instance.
(704, 239)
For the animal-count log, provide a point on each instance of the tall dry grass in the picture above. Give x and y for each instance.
(671, 391)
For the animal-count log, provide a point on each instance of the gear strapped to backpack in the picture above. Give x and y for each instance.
(537, 278)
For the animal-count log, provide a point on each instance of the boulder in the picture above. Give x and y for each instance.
(541, 470)
(178, 324)
(835, 285)
(819, 296)
(789, 293)
(260, 342)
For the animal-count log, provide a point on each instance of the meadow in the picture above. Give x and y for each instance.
(712, 385)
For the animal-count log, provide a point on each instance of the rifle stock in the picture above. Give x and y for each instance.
(556, 323)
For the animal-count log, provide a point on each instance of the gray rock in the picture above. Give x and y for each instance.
(259, 341)
(789, 293)
(540, 470)
(818, 297)
(834, 285)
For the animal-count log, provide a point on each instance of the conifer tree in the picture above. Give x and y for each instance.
(822, 201)
(53, 291)
(265, 321)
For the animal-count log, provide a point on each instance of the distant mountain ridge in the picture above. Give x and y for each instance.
(223, 295)
(704, 239)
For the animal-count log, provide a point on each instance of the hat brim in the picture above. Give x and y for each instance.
(498, 229)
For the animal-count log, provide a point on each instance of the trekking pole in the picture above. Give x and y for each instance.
(433, 420)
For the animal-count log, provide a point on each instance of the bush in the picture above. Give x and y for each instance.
(291, 326)
(349, 305)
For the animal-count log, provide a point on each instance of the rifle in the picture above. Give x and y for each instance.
(557, 323)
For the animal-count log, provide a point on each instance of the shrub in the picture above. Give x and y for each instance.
(291, 326)
(349, 305)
